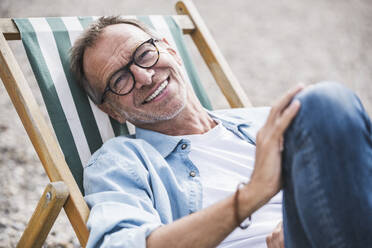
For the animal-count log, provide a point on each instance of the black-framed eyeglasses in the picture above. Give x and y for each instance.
(122, 82)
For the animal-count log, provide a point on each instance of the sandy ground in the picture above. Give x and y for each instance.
(270, 45)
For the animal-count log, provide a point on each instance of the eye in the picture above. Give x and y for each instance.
(144, 54)
(117, 81)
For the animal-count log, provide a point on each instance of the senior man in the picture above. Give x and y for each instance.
(176, 184)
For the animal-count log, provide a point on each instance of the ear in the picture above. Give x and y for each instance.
(107, 108)
(172, 51)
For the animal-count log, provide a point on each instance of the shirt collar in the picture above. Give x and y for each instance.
(165, 144)
(228, 122)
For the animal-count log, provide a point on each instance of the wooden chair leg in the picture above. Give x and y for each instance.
(45, 214)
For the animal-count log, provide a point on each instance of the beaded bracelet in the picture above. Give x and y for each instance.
(236, 209)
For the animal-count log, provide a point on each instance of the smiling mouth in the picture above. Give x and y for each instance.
(157, 92)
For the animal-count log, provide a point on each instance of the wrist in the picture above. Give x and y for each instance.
(237, 211)
(263, 188)
(252, 197)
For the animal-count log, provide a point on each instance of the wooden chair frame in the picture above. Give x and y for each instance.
(63, 191)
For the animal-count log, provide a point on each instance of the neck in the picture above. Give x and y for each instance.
(193, 119)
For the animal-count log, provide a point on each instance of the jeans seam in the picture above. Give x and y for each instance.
(325, 217)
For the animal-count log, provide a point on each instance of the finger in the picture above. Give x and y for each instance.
(281, 238)
(281, 242)
(281, 235)
(279, 226)
(285, 100)
(275, 240)
(287, 116)
(268, 241)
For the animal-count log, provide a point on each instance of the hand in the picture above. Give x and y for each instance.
(269, 145)
(276, 238)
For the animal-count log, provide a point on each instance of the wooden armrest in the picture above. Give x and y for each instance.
(45, 214)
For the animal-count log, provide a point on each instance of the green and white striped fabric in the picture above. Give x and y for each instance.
(80, 127)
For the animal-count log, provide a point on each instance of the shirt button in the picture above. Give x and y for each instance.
(192, 173)
(184, 146)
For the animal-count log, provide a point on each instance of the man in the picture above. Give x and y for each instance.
(174, 186)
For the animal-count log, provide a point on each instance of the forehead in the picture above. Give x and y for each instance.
(122, 32)
(119, 38)
(112, 49)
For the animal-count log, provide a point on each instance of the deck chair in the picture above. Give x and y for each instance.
(79, 127)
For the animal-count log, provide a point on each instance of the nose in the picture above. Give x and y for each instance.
(143, 76)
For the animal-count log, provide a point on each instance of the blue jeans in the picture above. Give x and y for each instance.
(327, 171)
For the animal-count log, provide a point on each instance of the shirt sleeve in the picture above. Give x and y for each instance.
(118, 191)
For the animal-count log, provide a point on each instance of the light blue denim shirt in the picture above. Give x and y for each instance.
(136, 185)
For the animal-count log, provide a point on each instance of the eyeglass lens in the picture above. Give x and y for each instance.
(145, 56)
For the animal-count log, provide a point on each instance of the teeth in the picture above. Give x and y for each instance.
(157, 91)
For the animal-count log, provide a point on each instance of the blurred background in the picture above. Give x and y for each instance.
(270, 45)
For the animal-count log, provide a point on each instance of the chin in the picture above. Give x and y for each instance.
(155, 116)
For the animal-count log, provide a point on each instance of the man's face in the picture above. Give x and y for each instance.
(146, 103)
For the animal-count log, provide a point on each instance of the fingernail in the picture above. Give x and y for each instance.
(296, 103)
(301, 86)
(297, 88)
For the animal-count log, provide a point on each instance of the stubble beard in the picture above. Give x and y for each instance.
(158, 115)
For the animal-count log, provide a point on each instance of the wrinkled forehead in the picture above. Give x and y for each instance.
(128, 33)
(115, 39)
(111, 50)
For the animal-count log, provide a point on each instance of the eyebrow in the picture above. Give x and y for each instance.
(121, 68)
(114, 73)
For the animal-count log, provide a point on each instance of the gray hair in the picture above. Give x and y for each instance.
(88, 39)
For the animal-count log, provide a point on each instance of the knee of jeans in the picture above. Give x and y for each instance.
(327, 104)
